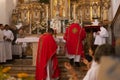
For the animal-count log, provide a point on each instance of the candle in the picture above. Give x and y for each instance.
(30, 24)
(46, 18)
(74, 11)
(47, 11)
(81, 17)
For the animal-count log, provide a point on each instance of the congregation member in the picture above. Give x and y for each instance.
(101, 51)
(2, 45)
(8, 37)
(74, 36)
(88, 58)
(46, 62)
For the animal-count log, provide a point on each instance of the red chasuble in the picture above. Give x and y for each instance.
(74, 36)
(46, 51)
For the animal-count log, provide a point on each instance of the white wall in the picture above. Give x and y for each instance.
(6, 7)
(115, 4)
(2, 12)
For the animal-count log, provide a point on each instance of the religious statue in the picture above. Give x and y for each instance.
(87, 12)
(14, 17)
(95, 10)
(59, 8)
(56, 25)
(105, 8)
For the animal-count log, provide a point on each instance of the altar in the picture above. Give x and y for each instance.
(34, 44)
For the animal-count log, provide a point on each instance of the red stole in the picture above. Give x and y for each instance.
(46, 51)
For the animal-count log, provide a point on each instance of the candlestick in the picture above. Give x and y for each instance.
(74, 11)
(47, 18)
(81, 18)
(30, 25)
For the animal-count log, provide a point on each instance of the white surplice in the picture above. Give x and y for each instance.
(101, 38)
(92, 73)
(8, 44)
(2, 48)
(50, 71)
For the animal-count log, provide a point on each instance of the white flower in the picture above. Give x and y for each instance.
(11, 78)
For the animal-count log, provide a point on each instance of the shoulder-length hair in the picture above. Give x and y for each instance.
(104, 50)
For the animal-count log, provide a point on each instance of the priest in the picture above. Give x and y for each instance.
(74, 36)
(46, 62)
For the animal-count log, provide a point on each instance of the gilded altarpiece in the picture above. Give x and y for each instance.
(88, 10)
(32, 15)
(35, 15)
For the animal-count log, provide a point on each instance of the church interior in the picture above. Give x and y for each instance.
(28, 19)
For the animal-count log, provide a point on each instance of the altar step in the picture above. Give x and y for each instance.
(24, 65)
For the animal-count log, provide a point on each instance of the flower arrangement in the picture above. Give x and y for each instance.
(3, 73)
(6, 69)
(24, 76)
(20, 76)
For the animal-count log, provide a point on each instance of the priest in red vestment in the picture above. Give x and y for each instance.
(74, 36)
(47, 63)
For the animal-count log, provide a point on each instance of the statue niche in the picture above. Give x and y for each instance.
(60, 8)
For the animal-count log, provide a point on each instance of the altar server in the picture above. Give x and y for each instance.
(101, 36)
(2, 46)
(8, 42)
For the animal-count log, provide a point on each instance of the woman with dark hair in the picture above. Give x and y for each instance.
(102, 50)
(89, 57)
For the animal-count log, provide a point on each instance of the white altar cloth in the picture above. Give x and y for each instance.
(27, 39)
(34, 41)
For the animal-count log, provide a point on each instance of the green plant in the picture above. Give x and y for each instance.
(20, 76)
